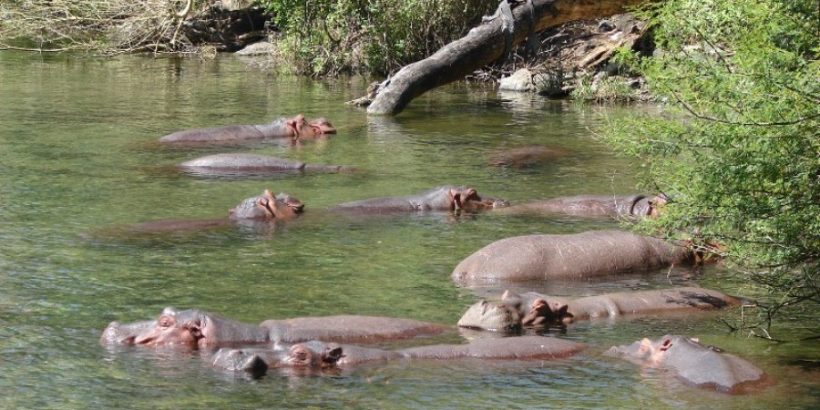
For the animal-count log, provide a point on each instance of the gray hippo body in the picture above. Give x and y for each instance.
(320, 355)
(194, 328)
(695, 364)
(631, 206)
(443, 198)
(295, 128)
(238, 164)
(577, 256)
(515, 311)
(348, 328)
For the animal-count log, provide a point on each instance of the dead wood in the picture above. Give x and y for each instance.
(483, 45)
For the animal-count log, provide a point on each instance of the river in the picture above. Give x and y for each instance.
(80, 163)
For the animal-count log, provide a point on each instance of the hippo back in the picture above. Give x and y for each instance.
(348, 328)
(577, 256)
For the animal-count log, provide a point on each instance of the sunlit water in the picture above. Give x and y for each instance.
(80, 163)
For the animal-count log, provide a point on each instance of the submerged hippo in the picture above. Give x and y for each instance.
(515, 311)
(295, 128)
(195, 328)
(443, 198)
(233, 164)
(263, 208)
(321, 355)
(578, 256)
(523, 157)
(632, 206)
(695, 364)
(257, 361)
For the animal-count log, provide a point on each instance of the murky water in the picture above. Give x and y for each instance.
(79, 163)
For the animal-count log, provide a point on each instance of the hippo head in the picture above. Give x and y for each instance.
(188, 328)
(467, 199)
(490, 316)
(648, 206)
(117, 333)
(300, 128)
(312, 355)
(514, 312)
(267, 207)
(240, 360)
(173, 327)
(645, 351)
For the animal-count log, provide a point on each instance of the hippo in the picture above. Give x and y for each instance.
(515, 311)
(256, 361)
(443, 198)
(524, 157)
(233, 164)
(631, 206)
(263, 208)
(196, 329)
(320, 355)
(296, 128)
(695, 364)
(578, 256)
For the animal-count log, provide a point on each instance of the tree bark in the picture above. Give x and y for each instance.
(481, 46)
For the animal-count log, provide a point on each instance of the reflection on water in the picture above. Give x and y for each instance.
(80, 164)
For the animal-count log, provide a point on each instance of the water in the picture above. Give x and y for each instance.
(79, 163)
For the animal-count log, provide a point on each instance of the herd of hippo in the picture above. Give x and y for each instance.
(315, 343)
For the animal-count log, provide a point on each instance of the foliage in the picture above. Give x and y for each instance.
(737, 147)
(605, 90)
(376, 36)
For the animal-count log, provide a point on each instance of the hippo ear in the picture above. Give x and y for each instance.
(562, 314)
(455, 200)
(293, 125)
(332, 355)
(511, 299)
(195, 327)
(665, 345)
(508, 294)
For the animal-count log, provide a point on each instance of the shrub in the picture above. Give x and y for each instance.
(737, 147)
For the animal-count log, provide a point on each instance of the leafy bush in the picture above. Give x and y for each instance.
(737, 148)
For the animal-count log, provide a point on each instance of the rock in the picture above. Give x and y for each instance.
(521, 80)
(258, 48)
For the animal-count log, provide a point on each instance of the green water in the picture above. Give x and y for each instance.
(78, 163)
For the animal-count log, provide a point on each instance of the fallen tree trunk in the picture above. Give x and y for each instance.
(483, 45)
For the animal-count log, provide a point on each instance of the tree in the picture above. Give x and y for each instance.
(736, 146)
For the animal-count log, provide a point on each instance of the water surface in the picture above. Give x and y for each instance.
(80, 162)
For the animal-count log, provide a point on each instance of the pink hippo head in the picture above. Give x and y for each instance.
(267, 207)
